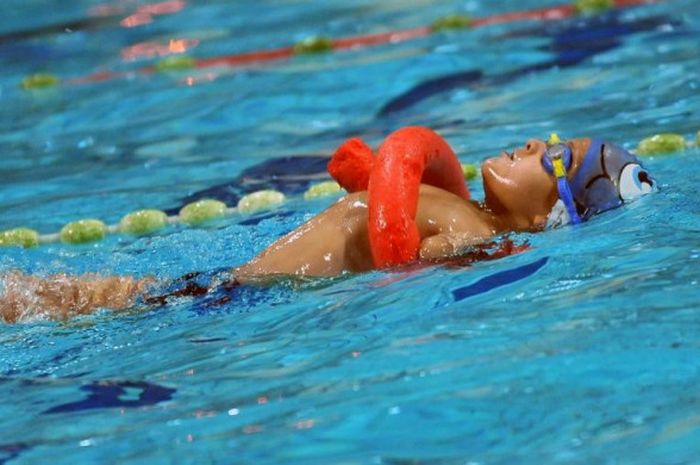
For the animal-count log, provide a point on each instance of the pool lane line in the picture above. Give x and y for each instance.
(568, 45)
(498, 279)
(115, 394)
(324, 45)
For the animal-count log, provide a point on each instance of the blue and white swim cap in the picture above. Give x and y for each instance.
(608, 177)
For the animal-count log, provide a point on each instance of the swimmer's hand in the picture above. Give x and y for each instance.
(447, 245)
(61, 296)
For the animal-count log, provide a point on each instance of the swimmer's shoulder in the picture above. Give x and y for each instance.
(427, 194)
(442, 212)
(439, 211)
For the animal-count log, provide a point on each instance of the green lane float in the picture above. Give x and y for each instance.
(175, 63)
(661, 144)
(20, 237)
(143, 222)
(202, 211)
(322, 189)
(313, 45)
(39, 81)
(588, 7)
(452, 22)
(470, 171)
(259, 201)
(83, 231)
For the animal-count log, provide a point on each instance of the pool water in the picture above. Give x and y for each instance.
(584, 349)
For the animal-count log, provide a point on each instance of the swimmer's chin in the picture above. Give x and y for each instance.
(491, 201)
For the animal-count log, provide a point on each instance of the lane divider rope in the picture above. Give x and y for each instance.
(317, 45)
(150, 221)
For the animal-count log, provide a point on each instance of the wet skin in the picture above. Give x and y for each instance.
(519, 194)
(517, 188)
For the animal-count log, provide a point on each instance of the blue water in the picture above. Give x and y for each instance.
(585, 349)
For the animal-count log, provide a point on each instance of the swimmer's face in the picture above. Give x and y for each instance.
(517, 185)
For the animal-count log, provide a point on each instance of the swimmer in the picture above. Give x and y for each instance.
(538, 186)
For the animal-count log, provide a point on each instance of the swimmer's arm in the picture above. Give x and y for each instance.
(61, 296)
(447, 245)
(330, 243)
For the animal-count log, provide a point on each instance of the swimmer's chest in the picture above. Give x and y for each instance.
(442, 212)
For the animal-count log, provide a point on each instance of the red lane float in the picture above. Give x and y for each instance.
(243, 59)
(408, 157)
(543, 14)
(391, 37)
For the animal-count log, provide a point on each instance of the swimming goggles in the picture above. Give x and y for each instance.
(557, 161)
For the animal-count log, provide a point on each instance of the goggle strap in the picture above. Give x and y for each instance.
(558, 167)
(568, 199)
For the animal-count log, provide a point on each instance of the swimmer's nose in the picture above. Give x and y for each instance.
(534, 147)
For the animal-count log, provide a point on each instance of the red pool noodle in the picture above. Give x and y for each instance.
(408, 157)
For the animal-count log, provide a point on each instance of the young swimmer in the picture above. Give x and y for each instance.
(537, 186)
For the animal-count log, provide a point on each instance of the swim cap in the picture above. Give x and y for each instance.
(608, 177)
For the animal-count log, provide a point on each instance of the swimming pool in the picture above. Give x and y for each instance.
(589, 351)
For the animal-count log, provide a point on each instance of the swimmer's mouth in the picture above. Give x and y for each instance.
(510, 155)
